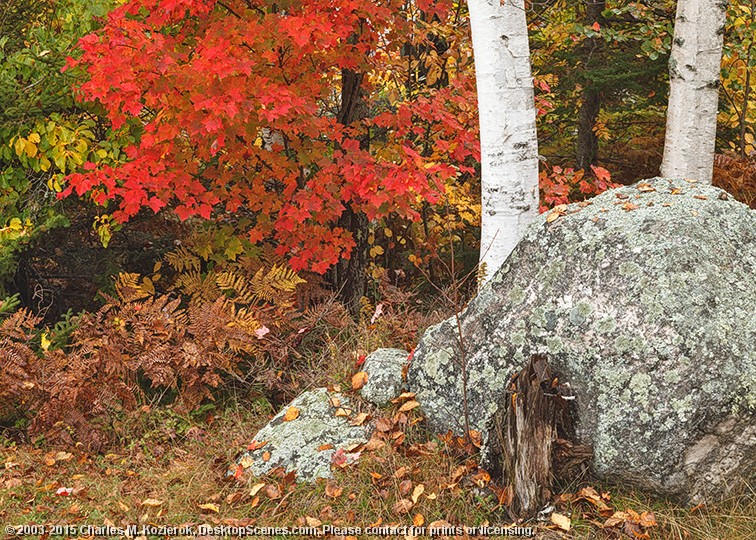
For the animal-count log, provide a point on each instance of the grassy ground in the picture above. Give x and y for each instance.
(175, 475)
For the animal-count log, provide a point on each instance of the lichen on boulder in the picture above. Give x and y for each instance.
(305, 439)
(643, 300)
(384, 369)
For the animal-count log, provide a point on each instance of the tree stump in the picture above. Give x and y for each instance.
(532, 422)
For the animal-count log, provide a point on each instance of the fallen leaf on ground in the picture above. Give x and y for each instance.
(359, 419)
(210, 507)
(272, 491)
(405, 486)
(256, 488)
(254, 445)
(408, 406)
(402, 506)
(417, 492)
(154, 503)
(333, 490)
(561, 521)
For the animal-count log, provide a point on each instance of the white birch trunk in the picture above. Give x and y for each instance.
(694, 68)
(509, 147)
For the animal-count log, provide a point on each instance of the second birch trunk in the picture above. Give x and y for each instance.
(694, 68)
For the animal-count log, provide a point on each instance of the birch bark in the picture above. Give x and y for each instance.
(694, 67)
(509, 148)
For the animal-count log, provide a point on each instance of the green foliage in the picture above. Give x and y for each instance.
(737, 101)
(622, 59)
(44, 134)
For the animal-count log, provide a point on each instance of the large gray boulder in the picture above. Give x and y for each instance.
(644, 301)
(321, 425)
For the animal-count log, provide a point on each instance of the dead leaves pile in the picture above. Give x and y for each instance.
(596, 509)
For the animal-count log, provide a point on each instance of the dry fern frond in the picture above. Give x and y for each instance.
(268, 286)
(183, 260)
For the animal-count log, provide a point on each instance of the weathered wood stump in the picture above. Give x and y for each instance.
(531, 437)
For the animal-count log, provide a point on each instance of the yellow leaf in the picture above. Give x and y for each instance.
(30, 149)
(34, 137)
(210, 507)
(292, 413)
(417, 492)
(19, 146)
(45, 342)
(152, 502)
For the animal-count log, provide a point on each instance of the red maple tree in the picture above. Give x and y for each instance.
(239, 106)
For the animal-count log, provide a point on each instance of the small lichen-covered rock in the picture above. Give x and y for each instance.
(384, 368)
(294, 444)
(645, 301)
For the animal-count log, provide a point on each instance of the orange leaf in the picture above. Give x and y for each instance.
(418, 520)
(647, 519)
(408, 406)
(359, 380)
(292, 413)
(256, 445)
